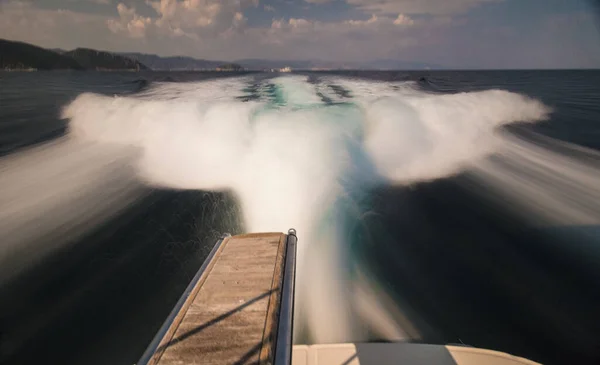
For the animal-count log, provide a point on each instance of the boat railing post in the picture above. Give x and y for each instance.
(285, 327)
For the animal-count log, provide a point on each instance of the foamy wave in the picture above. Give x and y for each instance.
(414, 136)
(428, 137)
(222, 89)
(291, 158)
(292, 162)
(186, 145)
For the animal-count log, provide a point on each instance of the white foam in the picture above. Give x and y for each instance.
(222, 89)
(291, 164)
(428, 137)
(414, 136)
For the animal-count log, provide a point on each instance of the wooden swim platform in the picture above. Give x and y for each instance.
(238, 308)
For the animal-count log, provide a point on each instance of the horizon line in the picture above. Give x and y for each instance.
(439, 68)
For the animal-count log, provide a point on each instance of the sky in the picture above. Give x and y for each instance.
(480, 34)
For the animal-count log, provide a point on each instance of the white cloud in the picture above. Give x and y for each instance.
(292, 23)
(205, 30)
(375, 37)
(277, 24)
(100, 2)
(208, 29)
(269, 8)
(403, 20)
(299, 23)
(188, 14)
(433, 7)
(129, 22)
(194, 19)
(372, 20)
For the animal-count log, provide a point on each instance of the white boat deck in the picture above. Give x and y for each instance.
(400, 354)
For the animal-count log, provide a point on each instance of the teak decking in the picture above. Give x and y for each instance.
(231, 313)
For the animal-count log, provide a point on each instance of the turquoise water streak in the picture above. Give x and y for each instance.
(331, 268)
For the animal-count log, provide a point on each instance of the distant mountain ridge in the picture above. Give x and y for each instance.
(99, 60)
(180, 63)
(23, 56)
(388, 64)
(383, 64)
(174, 63)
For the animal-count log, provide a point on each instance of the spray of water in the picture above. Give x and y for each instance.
(53, 194)
(297, 156)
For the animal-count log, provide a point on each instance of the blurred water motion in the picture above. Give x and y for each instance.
(53, 194)
(467, 230)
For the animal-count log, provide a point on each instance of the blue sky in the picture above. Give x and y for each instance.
(452, 33)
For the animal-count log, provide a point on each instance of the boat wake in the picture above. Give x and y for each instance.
(305, 154)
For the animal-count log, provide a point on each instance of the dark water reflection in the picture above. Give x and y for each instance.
(474, 273)
(102, 300)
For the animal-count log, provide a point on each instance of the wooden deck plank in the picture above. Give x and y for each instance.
(231, 315)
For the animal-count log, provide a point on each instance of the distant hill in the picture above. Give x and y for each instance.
(180, 63)
(99, 60)
(20, 56)
(23, 56)
(260, 64)
(58, 50)
(176, 63)
(230, 67)
(387, 64)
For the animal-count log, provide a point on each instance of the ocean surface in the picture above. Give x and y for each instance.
(432, 207)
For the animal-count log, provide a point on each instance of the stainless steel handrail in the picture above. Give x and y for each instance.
(285, 327)
(151, 349)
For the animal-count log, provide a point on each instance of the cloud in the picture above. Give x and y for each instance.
(372, 20)
(21, 20)
(99, 2)
(403, 20)
(269, 8)
(210, 29)
(194, 19)
(215, 29)
(352, 40)
(188, 14)
(432, 7)
(218, 30)
(299, 23)
(129, 22)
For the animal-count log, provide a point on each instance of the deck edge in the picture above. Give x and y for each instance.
(266, 354)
